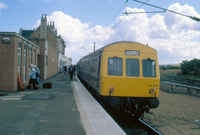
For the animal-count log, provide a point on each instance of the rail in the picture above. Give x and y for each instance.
(151, 131)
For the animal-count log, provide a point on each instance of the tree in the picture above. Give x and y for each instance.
(190, 67)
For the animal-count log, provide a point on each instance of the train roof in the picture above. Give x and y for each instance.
(102, 48)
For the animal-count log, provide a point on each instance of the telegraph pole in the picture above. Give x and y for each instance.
(94, 46)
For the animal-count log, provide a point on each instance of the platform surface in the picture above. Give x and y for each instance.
(95, 118)
(65, 109)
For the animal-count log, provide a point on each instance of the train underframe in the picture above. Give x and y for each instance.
(133, 106)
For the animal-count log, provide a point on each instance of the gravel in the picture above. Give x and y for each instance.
(176, 114)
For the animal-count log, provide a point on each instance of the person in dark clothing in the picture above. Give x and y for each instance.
(71, 72)
(74, 70)
(65, 69)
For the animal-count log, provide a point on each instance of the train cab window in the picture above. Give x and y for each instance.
(149, 68)
(115, 66)
(132, 67)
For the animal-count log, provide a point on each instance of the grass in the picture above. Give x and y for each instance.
(177, 73)
(170, 72)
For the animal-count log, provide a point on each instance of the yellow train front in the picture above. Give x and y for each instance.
(125, 74)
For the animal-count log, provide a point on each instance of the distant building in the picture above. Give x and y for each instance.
(41, 47)
(52, 47)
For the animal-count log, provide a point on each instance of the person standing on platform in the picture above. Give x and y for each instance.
(74, 70)
(65, 69)
(32, 76)
(71, 72)
(37, 74)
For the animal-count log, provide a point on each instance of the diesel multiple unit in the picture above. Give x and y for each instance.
(125, 74)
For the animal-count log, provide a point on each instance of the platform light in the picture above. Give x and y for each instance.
(6, 39)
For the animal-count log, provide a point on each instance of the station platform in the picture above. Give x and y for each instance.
(65, 109)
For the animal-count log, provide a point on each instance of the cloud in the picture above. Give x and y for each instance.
(172, 35)
(178, 22)
(3, 6)
(157, 27)
(74, 30)
(132, 27)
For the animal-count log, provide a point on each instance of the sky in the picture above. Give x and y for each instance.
(83, 22)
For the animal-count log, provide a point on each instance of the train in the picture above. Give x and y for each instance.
(125, 75)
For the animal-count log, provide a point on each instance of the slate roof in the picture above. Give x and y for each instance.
(27, 33)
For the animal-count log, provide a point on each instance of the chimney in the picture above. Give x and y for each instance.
(43, 26)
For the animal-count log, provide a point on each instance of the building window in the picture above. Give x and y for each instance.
(30, 55)
(34, 57)
(115, 66)
(45, 60)
(132, 67)
(149, 68)
(19, 57)
(24, 62)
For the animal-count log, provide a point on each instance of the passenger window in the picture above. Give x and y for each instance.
(115, 66)
(149, 68)
(94, 68)
(132, 67)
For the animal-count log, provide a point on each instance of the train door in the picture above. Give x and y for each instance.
(99, 65)
(98, 72)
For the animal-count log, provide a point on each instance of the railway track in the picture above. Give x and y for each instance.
(152, 131)
(134, 126)
(129, 124)
(181, 80)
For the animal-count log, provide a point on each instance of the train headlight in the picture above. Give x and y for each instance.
(151, 91)
(111, 89)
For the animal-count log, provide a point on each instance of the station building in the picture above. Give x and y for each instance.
(16, 53)
(41, 47)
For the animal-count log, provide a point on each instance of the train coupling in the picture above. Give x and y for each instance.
(147, 110)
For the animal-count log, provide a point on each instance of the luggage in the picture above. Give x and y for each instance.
(47, 85)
